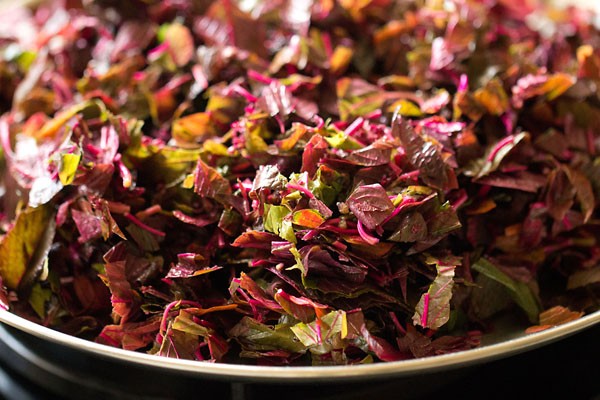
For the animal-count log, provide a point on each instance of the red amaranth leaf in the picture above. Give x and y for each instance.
(301, 308)
(554, 316)
(380, 347)
(370, 204)
(315, 149)
(124, 299)
(210, 183)
(425, 156)
(378, 153)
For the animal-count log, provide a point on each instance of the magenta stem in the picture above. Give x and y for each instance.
(425, 309)
(144, 226)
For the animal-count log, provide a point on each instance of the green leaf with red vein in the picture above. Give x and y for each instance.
(433, 309)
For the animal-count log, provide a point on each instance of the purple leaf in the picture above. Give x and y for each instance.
(370, 204)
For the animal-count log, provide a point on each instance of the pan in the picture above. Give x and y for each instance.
(505, 340)
(67, 359)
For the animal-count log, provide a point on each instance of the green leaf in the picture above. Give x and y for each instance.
(321, 335)
(433, 309)
(519, 291)
(405, 108)
(184, 323)
(180, 344)
(25, 59)
(168, 164)
(255, 138)
(26, 245)
(327, 184)
(256, 336)
(275, 221)
(357, 97)
(307, 334)
(38, 298)
(340, 140)
(299, 265)
(68, 167)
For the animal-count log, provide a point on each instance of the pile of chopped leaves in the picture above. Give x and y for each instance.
(298, 182)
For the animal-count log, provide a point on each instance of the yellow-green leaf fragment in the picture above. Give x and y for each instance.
(51, 127)
(183, 322)
(38, 298)
(68, 168)
(557, 84)
(194, 128)
(181, 43)
(493, 97)
(21, 244)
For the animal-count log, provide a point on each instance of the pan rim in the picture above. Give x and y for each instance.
(281, 374)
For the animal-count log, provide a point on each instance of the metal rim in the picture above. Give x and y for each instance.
(296, 374)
